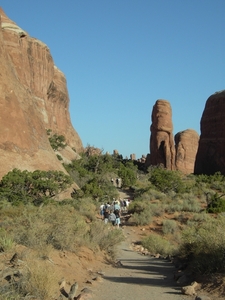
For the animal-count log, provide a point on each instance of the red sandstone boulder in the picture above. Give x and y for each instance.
(33, 98)
(186, 145)
(210, 157)
(162, 150)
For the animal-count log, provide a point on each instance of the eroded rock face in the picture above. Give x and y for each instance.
(186, 145)
(162, 150)
(210, 157)
(33, 98)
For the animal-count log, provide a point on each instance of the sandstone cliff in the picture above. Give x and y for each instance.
(186, 145)
(33, 98)
(211, 151)
(162, 150)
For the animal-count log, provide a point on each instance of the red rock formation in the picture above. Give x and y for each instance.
(210, 157)
(186, 145)
(162, 149)
(33, 98)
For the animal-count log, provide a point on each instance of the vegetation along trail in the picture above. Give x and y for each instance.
(138, 277)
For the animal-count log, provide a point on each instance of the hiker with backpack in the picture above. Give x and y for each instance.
(117, 214)
(102, 206)
(112, 217)
(116, 205)
(106, 215)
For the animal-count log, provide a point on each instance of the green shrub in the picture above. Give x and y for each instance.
(157, 209)
(104, 236)
(169, 226)
(57, 142)
(157, 244)
(201, 217)
(85, 206)
(93, 174)
(59, 226)
(142, 218)
(128, 173)
(32, 187)
(6, 241)
(217, 204)
(39, 281)
(138, 206)
(165, 180)
(203, 246)
(59, 157)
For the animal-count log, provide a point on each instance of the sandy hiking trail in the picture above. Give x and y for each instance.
(138, 277)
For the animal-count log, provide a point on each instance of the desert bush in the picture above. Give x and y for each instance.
(104, 237)
(216, 204)
(150, 194)
(174, 207)
(57, 142)
(176, 215)
(66, 228)
(165, 180)
(6, 242)
(203, 246)
(157, 209)
(9, 211)
(128, 173)
(40, 280)
(85, 206)
(183, 203)
(32, 187)
(138, 206)
(9, 293)
(157, 244)
(60, 226)
(93, 173)
(191, 205)
(169, 226)
(142, 218)
(201, 217)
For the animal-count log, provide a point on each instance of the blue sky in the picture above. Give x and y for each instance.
(120, 56)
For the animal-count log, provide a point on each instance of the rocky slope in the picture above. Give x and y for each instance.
(33, 98)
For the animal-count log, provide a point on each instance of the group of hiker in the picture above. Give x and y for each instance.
(117, 182)
(111, 213)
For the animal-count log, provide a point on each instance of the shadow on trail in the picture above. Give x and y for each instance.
(145, 271)
(143, 281)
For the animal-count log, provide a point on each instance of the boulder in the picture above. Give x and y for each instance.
(186, 145)
(190, 289)
(210, 155)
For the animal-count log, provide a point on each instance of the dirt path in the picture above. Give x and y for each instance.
(139, 277)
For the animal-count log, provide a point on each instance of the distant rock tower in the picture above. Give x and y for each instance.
(133, 156)
(162, 150)
(186, 144)
(115, 152)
